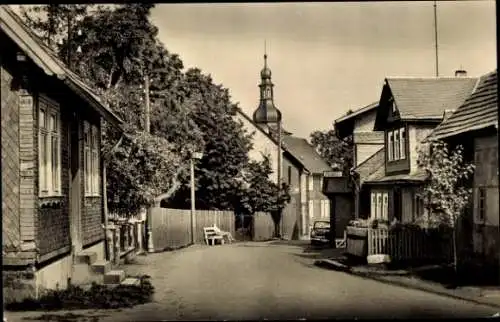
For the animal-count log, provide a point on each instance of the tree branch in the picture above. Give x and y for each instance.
(173, 187)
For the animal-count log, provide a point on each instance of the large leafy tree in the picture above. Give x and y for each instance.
(113, 48)
(445, 193)
(338, 153)
(118, 47)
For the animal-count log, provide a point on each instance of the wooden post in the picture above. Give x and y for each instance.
(193, 204)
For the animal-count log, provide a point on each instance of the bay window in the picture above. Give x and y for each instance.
(91, 159)
(49, 148)
(396, 144)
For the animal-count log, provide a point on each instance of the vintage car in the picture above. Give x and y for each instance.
(320, 233)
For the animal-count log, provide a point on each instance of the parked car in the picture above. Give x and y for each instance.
(320, 233)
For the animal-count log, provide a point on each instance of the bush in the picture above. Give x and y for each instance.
(97, 297)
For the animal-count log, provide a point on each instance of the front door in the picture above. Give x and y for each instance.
(75, 175)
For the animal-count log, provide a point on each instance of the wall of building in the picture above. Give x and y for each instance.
(365, 123)
(416, 134)
(486, 239)
(11, 238)
(261, 145)
(365, 151)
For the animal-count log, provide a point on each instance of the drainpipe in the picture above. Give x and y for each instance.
(105, 159)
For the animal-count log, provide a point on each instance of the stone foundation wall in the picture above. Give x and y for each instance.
(18, 284)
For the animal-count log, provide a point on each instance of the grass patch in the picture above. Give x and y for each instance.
(97, 297)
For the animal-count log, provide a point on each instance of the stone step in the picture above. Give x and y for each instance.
(85, 274)
(131, 281)
(114, 277)
(88, 258)
(101, 267)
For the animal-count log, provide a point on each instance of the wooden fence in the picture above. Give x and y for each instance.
(171, 228)
(411, 244)
(263, 226)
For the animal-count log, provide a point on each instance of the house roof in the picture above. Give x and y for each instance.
(479, 111)
(48, 61)
(305, 152)
(379, 177)
(374, 163)
(357, 112)
(428, 98)
(285, 150)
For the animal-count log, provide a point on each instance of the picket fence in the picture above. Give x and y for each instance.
(411, 244)
(171, 228)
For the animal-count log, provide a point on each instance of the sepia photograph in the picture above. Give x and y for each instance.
(249, 161)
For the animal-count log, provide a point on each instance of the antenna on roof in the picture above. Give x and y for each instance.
(436, 38)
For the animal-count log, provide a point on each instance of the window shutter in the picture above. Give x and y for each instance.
(311, 209)
(385, 206)
(396, 145)
(373, 208)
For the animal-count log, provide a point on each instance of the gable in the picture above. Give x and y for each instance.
(387, 110)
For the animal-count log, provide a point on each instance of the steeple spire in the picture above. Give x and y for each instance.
(266, 112)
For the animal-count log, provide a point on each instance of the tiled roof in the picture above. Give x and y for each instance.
(374, 163)
(305, 152)
(479, 111)
(357, 112)
(48, 61)
(379, 177)
(428, 98)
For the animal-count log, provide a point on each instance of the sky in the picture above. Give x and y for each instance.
(329, 57)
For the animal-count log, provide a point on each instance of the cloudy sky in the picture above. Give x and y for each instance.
(327, 58)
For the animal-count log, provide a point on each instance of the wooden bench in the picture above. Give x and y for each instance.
(212, 235)
(226, 234)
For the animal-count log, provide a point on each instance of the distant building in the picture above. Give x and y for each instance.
(301, 167)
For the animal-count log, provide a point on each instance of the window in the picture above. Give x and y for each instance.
(49, 148)
(396, 144)
(91, 159)
(325, 208)
(481, 203)
(402, 143)
(311, 183)
(390, 146)
(289, 175)
(379, 205)
(397, 147)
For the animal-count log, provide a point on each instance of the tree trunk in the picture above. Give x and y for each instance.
(455, 253)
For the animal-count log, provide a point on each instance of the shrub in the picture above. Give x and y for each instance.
(97, 297)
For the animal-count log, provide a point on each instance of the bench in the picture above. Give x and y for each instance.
(226, 234)
(212, 235)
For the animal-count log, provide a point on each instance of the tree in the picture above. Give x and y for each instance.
(338, 153)
(259, 194)
(445, 193)
(227, 143)
(119, 47)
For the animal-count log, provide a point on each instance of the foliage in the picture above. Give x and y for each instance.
(97, 297)
(338, 153)
(189, 112)
(259, 194)
(445, 194)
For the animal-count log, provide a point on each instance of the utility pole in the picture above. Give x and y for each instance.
(279, 179)
(147, 111)
(151, 248)
(436, 38)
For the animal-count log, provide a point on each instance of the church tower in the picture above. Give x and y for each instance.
(266, 114)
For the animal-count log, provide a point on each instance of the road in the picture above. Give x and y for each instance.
(268, 281)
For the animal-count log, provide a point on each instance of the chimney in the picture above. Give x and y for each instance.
(460, 73)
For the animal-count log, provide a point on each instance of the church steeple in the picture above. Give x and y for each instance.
(266, 112)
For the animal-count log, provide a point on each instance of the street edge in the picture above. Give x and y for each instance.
(419, 288)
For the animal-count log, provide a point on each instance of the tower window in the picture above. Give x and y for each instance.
(267, 93)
